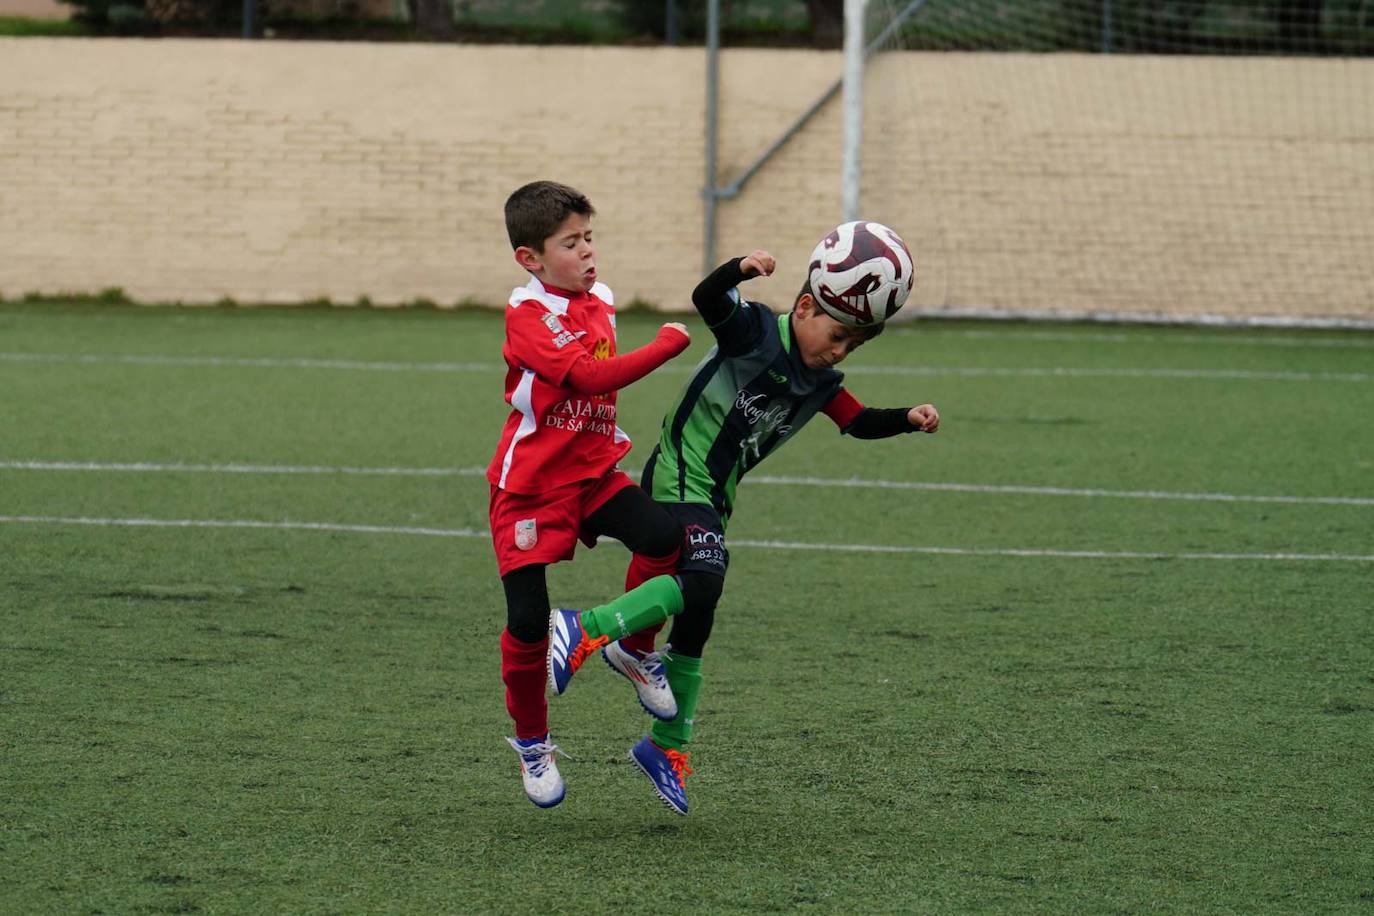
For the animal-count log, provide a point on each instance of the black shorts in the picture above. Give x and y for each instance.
(703, 541)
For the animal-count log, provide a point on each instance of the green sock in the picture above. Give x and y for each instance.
(653, 602)
(684, 677)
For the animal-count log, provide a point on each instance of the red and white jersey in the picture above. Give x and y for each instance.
(555, 436)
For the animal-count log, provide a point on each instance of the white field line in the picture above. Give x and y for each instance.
(1104, 317)
(1363, 342)
(264, 362)
(967, 371)
(1061, 491)
(239, 523)
(1241, 375)
(773, 480)
(909, 322)
(1025, 552)
(178, 468)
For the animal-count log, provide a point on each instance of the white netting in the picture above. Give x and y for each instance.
(1236, 178)
(1282, 27)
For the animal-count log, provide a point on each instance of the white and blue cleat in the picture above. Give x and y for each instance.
(543, 783)
(647, 674)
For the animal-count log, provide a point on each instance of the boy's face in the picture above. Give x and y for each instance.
(568, 260)
(821, 340)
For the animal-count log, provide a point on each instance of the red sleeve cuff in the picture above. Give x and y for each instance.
(843, 408)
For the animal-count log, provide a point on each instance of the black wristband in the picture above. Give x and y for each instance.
(879, 423)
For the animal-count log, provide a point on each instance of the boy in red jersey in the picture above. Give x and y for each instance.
(553, 477)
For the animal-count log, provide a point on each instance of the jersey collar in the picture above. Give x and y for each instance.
(554, 299)
(550, 297)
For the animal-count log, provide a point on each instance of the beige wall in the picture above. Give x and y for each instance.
(194, 170)
(35, 9)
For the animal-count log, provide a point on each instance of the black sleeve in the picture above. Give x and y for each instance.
(712, 295)
(722, 308)
(879, 423)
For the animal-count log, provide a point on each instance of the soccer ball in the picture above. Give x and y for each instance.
(861, 273)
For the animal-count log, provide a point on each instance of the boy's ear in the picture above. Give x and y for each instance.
(805, 306)
(529, 259)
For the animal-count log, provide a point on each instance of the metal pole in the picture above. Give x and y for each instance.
(670, 22)
(712, 94)
(1106, 26)
(247, 18)
(873, 46)
(712, 193)
(851, 171)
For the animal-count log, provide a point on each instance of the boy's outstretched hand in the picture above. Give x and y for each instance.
(758, 264)
(925, 418)
(677, 332)
(677, 326)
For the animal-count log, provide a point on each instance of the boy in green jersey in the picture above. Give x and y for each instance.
(765, 378)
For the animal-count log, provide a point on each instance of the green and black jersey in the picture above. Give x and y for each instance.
(749, 396)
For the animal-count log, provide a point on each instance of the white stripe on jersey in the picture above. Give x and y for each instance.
(603, 292)
(520, 400)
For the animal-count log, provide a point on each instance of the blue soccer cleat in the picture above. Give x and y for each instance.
(647, 674)
(543, 783)
(666, 769)
(569, 646)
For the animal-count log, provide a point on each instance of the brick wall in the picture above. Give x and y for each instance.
(258, 171)
(35, 9)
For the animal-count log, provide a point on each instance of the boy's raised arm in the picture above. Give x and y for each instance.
(589, 375)
(537, 340)
(713, 297)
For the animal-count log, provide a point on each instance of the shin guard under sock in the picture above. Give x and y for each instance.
(641, 570)
(684, 677)
(652, 603)
(524, 669)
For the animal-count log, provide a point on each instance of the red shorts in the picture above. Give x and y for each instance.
(545, 528)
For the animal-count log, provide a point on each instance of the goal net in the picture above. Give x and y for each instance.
(1179, 159)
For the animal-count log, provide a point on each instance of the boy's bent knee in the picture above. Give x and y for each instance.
(527, 603)
(692, 628)
(663, 545)
(700, 590)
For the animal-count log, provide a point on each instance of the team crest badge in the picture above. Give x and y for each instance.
(526, 535)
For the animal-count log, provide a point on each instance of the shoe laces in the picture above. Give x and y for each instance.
(537, 757)
(586, 647)
(653, 665)
(678, 760)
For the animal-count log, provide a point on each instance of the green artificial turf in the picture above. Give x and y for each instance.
(1056, 658)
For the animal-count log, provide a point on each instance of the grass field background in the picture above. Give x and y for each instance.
(1103, 644)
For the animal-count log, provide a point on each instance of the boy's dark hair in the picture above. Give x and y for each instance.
(869, 332)
(534, 211)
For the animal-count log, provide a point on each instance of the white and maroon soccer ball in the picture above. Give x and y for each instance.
(861, 273)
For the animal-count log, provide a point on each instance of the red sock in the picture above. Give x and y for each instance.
(641, 570)
(524, 670)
